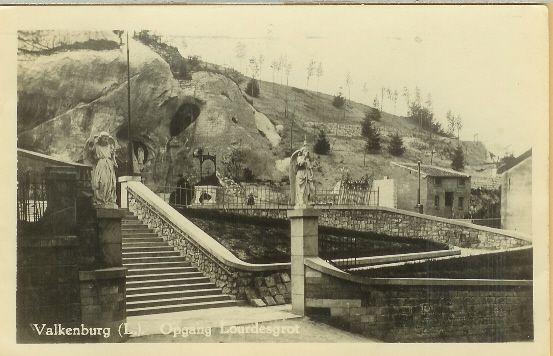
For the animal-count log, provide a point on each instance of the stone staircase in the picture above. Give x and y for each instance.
(159, 280)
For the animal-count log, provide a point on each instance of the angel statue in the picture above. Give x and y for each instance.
(100, 152)
(302, 187)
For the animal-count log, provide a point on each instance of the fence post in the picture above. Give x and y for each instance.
(378, 196)
(305, 243)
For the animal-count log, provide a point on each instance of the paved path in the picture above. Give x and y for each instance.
(235, 324)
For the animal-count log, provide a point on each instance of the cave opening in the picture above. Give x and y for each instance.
(184, 117)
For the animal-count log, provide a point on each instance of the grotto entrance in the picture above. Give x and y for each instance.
(184, 117)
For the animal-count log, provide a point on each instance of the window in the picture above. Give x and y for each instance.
(437, 201)
(461, 182)
(438, 181)
(461, 202)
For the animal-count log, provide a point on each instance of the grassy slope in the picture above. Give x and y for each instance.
(311, 106)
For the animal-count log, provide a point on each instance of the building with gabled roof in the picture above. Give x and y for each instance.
(516, 193)
(444, 192)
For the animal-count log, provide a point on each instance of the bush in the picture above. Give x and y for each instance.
(339, 101)
(252, 89)
(322, 146)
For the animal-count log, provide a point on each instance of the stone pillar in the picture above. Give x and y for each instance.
(109, 248)
(60, 215)
(124, 183)
(305, 243)
(103, 303)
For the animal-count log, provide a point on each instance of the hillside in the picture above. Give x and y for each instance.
(77, 88)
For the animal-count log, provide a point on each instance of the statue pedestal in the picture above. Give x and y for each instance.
(109, 248)
(305, 243)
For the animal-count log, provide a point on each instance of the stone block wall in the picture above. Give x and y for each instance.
(47, 286)
(103, 302)
(398, 223)
(274, 289)
(425, 312)
(420, 226)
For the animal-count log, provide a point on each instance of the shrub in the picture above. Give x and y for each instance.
(339, 101)
(252, 89)
(322, 146)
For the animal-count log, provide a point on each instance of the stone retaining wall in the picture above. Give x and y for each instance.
(427, 311)
(397, 222)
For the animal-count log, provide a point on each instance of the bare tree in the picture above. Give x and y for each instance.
(319, 74)
(376, 104)
(383, 89)
(458, 125)
(260, 61)
(349, 82)
(310, 70)
(254, 67)
(282, 62)
(407, 97)
(241, 50)
(395, 96)
(365, 90)
(450, 121)
(288, 69)
(274, 67)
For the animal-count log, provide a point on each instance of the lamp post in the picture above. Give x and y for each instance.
(419, 206)
(130, 170)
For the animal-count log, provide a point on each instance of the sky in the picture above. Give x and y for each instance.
(487, 64)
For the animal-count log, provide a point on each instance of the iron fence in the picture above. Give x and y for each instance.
(260, 197)
(31, 199)
(340, 251)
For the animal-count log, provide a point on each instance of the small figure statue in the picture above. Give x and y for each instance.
(302, 187)
(100, 152)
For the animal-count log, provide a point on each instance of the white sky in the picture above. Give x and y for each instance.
(485, 63)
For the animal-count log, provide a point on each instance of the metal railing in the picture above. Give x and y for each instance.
(260, 197)
(31, 199)
(340, 251)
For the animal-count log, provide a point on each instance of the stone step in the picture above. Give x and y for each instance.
(142, 239)
(164, 276)
(180, 307)
(160, 248)
(172, 294)
(138, 234)
(176, 264)
(150, 271)
(176, 301)
(135, 228)
(170, 253)
(128, 245)
(176, 287)
(167, 281)
(132, 260)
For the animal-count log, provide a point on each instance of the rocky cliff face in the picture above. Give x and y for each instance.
(65, 96)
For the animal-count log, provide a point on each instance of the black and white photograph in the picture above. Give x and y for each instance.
(328, 177)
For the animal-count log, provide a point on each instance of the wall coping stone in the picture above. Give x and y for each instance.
(303, 212)
(105, 273)
(124, 179)
(199, 236)
(50, 158)
(322, 266)
(402, 257)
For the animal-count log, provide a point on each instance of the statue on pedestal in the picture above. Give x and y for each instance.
(302, 188)
(100, 152)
